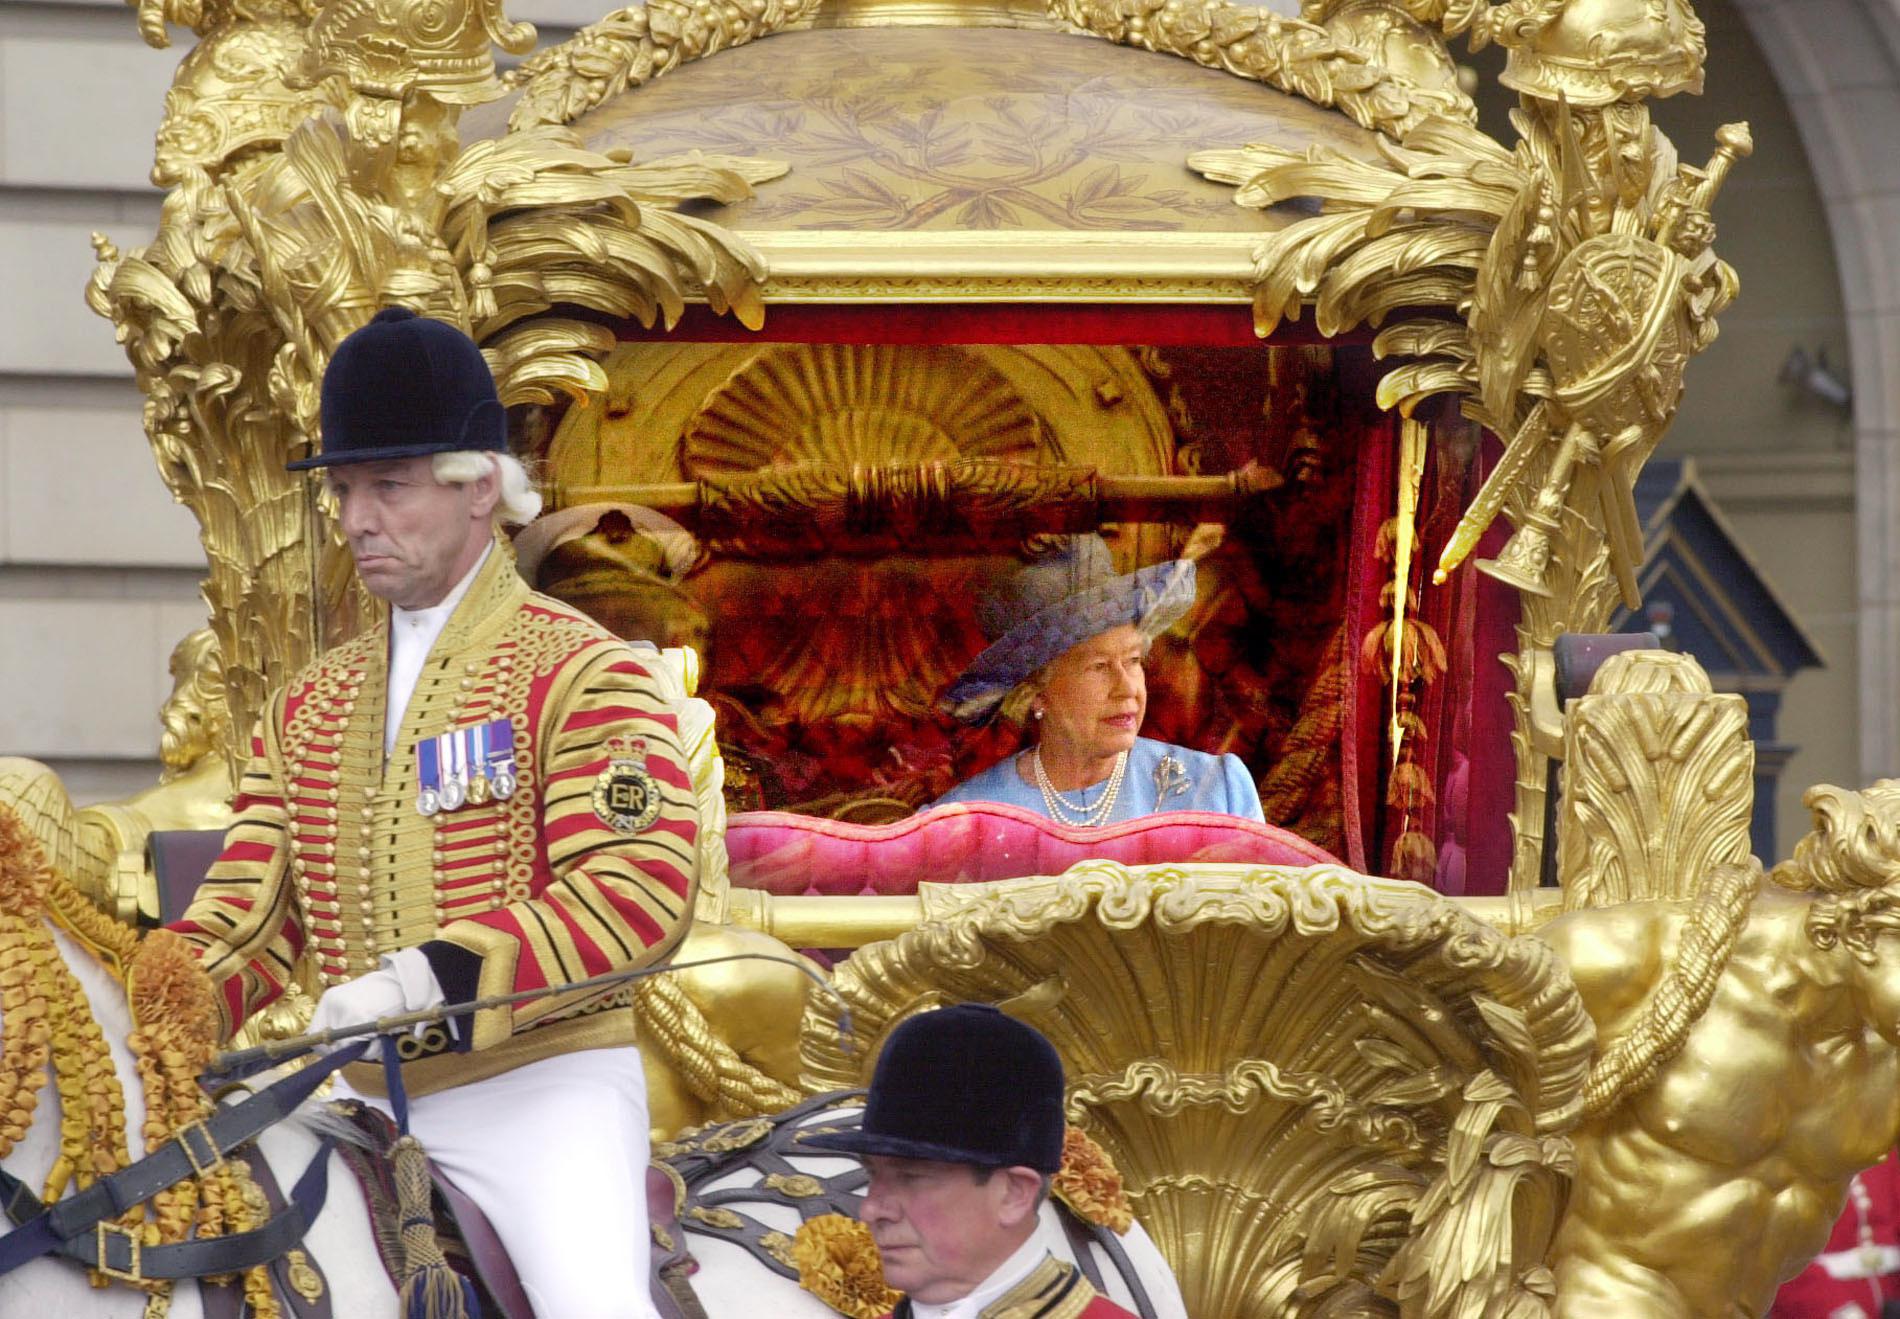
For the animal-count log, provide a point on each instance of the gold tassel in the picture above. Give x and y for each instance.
(430, 1288)
(1412, 436)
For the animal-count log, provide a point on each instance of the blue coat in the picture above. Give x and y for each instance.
(1206, 783)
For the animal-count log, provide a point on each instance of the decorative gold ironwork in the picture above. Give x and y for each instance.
(1350, 1021)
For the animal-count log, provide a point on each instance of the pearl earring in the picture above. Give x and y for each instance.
(1037, 713)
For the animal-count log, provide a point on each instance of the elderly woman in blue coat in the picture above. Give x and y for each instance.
(1069, 640)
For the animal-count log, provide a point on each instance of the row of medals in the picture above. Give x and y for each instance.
(480, 789)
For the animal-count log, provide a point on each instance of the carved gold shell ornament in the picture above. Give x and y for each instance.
(870, 405)
(1249, 1045)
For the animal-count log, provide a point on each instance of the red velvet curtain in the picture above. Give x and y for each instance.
(1465, 746)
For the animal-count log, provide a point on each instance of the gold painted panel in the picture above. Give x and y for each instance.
(978, 129)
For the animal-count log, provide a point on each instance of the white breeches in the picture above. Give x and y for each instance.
(555, 1153)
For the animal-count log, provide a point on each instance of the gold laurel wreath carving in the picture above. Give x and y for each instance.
(631, 47)
(1246, 1043)
(1288, 54)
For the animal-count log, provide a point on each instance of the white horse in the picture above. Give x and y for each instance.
(340, 1242)
(749, 1185)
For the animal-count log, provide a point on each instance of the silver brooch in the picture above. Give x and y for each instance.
(1171, 778)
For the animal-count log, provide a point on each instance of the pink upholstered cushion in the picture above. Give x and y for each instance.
(971, 844)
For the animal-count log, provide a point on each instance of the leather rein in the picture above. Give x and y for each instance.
(79, 1227)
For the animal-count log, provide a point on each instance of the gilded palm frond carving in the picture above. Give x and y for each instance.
(1345, 1091)
(1658, 783)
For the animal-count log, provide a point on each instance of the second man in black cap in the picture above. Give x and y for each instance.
(961, 1133)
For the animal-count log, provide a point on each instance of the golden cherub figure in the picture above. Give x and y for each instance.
(1723, 1160)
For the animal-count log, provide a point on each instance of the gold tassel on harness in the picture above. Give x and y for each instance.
(430, 1289)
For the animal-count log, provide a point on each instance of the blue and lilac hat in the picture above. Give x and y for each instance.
(1061, 599)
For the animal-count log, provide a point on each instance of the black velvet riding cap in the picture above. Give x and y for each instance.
(404, 386)
(962, 1084)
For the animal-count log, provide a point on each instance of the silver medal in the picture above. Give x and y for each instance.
(428, 801)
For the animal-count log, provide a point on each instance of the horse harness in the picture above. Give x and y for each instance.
(80, 1227)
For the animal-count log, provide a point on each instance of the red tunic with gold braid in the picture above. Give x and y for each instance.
(1055, 1290)
(330, 858)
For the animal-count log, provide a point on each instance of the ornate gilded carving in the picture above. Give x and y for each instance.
(633, 46)
(441, 49)
(863, 405)
(1580, 267)
(1328, 65)
(1752, 1041)
(284, 232)
(1588, 52)
(1658, 783)
(1245, 1041)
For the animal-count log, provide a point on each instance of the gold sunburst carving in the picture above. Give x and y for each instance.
(871, 405)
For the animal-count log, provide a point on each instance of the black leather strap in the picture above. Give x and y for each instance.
(112, 1251)
(1111, 1242)
(1080, 1236)
(290, 1290)
(79, 1227)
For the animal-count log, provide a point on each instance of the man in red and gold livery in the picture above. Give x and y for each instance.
(1858, 1275)
(482, 794)
(962, 1131)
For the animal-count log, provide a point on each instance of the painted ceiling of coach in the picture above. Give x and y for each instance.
(969, 129)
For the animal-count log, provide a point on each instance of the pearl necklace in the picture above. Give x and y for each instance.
(1086, 817)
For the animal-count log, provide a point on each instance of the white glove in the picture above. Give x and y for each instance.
(403, 983)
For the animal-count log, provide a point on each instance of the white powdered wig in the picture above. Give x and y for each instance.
(519, 502)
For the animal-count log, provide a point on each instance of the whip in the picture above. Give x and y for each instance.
(244, 1061)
